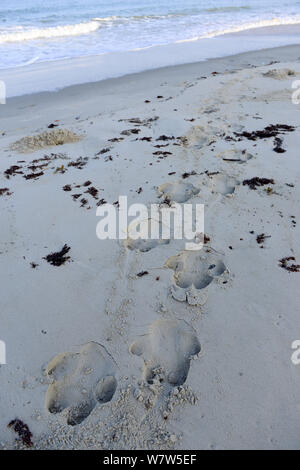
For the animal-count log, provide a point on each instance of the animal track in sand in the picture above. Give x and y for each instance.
(199, 137)
(194, 271)
(235, 156)
(144, 243)
(80, 381)
(177, 191)
(167, 350)
(223, 184)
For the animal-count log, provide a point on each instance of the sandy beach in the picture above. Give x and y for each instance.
(120, 344)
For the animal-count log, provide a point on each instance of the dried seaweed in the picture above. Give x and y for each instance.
(293, 268)
(58, 258)
(22, 430)
(256, 181)
(142, 273)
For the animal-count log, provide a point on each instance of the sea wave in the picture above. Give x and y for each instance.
(48, 33)
(246, 26)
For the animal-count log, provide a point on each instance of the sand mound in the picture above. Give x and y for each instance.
(45, 139)
(282, 74)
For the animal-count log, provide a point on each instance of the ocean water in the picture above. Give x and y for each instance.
(39, 30)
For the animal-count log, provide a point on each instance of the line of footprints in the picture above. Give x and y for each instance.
(87, 378)
(84, 379)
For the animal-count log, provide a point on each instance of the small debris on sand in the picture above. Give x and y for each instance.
(278, 145)
(103, 151)
(116, 139)
(187, 174)
(165, 137)
(13, 170)
(33, 175)
(93, 192)
(58, 258)
(22, 430)
(79, 163)
(261, 238)
(131, 131)
(101, 202)
(142, 273)
(5, 192)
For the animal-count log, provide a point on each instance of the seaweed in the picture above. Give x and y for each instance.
(187, 174)
(58, 258)
(103, 151)
(13, 170)
(261, 238)
(93, 192)
(101, 202)
(165, 137)
(278, 145)
(256, 181)
(33, 175)
(5, 192)
(293, 268)
(22, 430)
(142, 273)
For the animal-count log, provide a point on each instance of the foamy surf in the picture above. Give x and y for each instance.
(48, 33)
(246, 27)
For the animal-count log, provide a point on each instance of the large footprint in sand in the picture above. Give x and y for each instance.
(80, 381)
(168, 347)
(223, 184)
(177, 192)
(193, 273)
(144, 243)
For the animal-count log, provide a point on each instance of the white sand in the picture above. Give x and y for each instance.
(241, 390)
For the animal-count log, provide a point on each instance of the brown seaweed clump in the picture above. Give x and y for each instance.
(285, 264)
(22, 430)
(58, 258)
(253, 183)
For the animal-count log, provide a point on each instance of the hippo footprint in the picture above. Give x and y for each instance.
(177, 192)
(138, 235)
(80, 381)
(223, 184)
(168, 347)
(193, 273)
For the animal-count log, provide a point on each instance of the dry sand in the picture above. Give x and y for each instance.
(195, 353)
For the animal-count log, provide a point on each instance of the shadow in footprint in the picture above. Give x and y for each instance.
(80, 381)
(167, 348)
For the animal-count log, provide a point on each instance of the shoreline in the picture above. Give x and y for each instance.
(56, 75)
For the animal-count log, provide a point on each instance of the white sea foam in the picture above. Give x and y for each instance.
(48, 33)
(248, 26)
